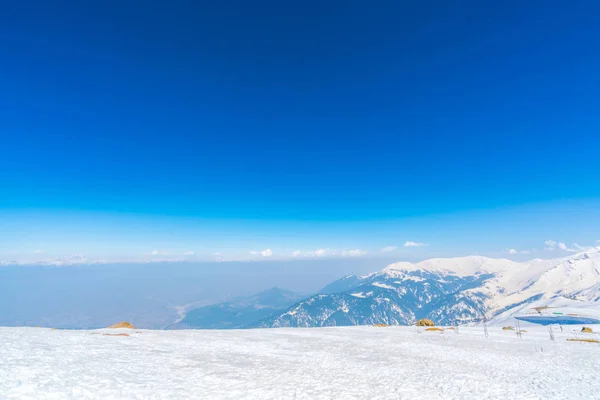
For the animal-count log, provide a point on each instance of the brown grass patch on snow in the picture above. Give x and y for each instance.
(380, 325)
(115, 334)
(123, 324)
(425, 322)
(587, 329)
(583, 340)
(508, 328)
(434, 329)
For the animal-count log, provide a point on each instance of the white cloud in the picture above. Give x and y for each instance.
(573, 249)
(189, 253)
(414, 244)
(266, 253)
(389, 248)
(515, 251)
(353, 253)
(159, 253)
(551, 245)
(321, 253)
(329, 253)
(38, 251)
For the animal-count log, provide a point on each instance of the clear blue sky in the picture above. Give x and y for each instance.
(130, 127)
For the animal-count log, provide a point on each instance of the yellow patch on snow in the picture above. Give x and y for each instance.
(123, 324)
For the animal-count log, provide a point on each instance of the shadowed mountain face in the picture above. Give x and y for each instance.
(384, 298)
(238, 312)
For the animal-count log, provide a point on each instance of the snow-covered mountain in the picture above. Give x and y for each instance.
(446, 290)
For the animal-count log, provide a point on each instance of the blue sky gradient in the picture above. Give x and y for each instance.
(130, 128)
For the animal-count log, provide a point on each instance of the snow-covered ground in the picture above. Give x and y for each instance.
(317, 363)
(552, 310)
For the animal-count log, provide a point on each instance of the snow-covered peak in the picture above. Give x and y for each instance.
(460, 266)
(577, 276)
(592, 252)
(574, 274)
(473, 265)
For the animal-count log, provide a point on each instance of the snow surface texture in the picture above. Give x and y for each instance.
(315, 363)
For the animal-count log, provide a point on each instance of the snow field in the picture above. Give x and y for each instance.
(314, 363)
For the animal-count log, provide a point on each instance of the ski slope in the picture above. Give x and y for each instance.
(314, 363)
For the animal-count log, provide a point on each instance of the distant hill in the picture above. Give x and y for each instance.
(238, 312)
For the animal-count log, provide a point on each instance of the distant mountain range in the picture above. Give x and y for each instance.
(448, 291)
